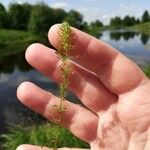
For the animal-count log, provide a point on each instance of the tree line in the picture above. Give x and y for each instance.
(39, 17)
(130, 20)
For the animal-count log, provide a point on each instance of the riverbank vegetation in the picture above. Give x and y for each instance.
(34, 20)
(146, 70)
(143, 28)
(129, 20)
(42, 134)
(13, 41)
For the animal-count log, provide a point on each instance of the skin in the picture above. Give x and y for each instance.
(113, 88)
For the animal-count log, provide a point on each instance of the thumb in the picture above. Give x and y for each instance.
(33, 147)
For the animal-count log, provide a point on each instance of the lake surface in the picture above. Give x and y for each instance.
(134, 45)
(14, 70)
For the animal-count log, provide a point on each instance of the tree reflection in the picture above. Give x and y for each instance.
(125, 35)
(144, 39)
(10, 62)
(115, 36)
(2, 122)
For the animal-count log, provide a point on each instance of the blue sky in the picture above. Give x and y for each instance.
(96, 9)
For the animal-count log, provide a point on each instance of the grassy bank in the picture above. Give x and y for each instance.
(143, 28)
(48, 135)
(146, 70)
(12, 41)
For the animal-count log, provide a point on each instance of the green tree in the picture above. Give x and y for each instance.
(60, 15)
(84, 26)
(19, 15)
(126, 21)
(132, 20)
(3, 16)
(42, 17)
(74, 18)
(137, 21)
(129, 21)
(94, 28)
(116, 21)
(26, 14)
(145, 16)
(97, 23)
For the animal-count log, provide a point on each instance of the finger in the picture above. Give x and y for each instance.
(86, 85)
(112, 67)
(47, 104)
(31, 147)
(34, 147)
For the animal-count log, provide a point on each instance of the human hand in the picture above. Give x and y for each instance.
(113, 88)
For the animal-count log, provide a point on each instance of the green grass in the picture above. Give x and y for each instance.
(12, 42)
(146, 70)
(49, 135)
(94, 31)
(143, 28)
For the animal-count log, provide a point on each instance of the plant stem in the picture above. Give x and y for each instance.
(63, 53)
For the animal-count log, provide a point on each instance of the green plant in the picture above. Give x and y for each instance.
(64, 37)
(63, 53)
(41, 134)
(146, 70)
(13, 42)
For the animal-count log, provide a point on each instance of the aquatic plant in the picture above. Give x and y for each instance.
(64, 37)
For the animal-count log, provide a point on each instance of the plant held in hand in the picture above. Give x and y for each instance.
(63, 53)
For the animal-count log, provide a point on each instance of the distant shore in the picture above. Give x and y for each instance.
(143, 28)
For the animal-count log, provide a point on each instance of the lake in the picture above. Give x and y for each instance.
(14, 70)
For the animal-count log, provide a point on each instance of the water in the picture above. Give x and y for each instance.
(14, 70)
(134, 45)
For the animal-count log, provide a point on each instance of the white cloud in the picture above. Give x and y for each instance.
(122, 11)
(127, 7)
(89, 0)
(94, 14)
(59, 5)
(23, 1)
(129, 10)
(91, 14)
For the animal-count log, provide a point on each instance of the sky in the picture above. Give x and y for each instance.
(91, 10)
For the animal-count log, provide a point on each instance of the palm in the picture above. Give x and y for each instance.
(115, 91)
(125, 125)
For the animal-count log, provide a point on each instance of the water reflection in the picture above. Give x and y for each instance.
(127, 35)
(132, 44)
(12, 61)
(144, 39)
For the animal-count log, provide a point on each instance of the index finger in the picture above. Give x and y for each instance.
(113, 68)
